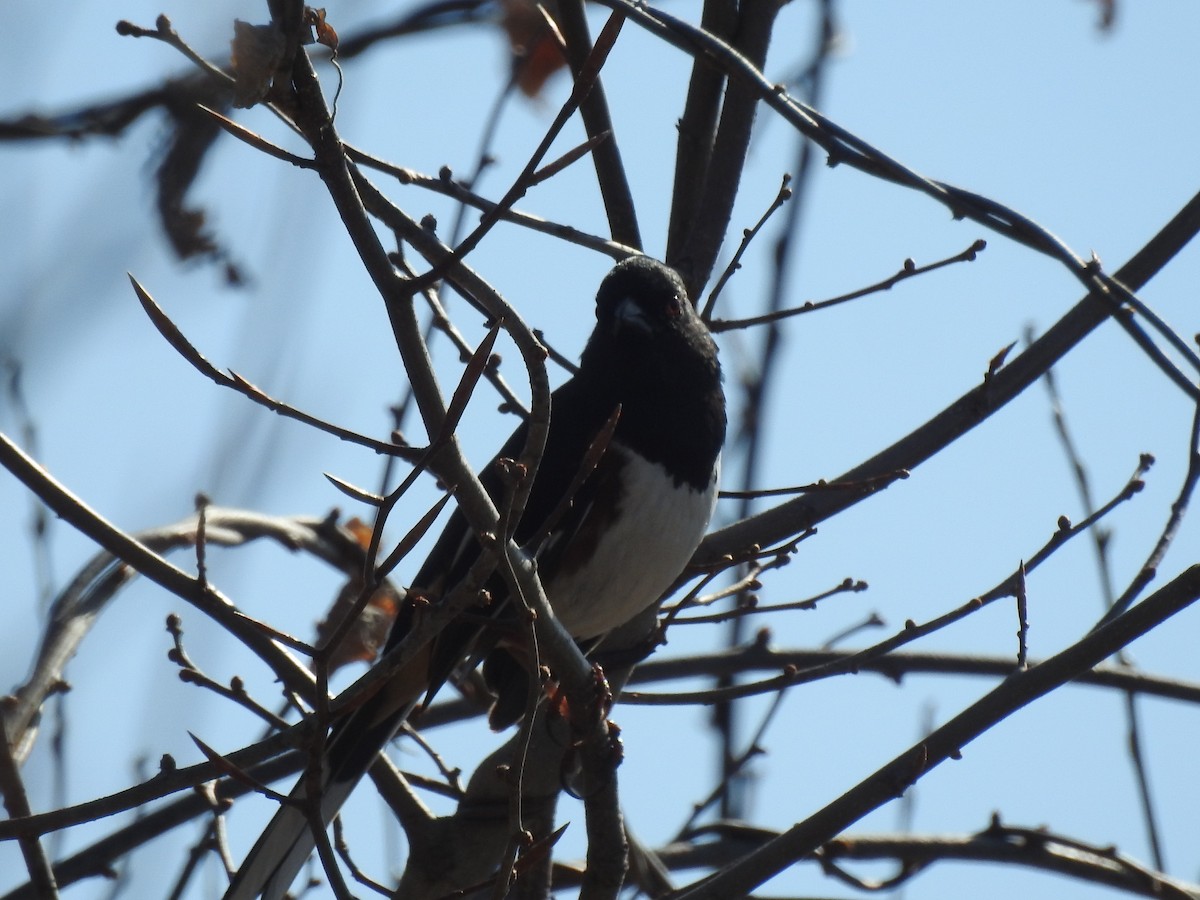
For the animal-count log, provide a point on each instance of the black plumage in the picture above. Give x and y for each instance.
(630, 528)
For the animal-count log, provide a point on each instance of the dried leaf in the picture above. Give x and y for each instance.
(255, 52)
(366, 637)
(535, 47)
(325, 34)
(359, 530)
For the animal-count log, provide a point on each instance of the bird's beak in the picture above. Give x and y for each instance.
(630, 315)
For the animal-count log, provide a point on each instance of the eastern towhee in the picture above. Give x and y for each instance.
(624, 537)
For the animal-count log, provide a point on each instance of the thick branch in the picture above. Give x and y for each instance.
(724, 172)
(947, 742)
(698, 127)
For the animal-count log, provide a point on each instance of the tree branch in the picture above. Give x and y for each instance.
(795, 516)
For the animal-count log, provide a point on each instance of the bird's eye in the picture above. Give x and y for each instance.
(675, 307)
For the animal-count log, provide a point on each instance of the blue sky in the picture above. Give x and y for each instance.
(1092, 134)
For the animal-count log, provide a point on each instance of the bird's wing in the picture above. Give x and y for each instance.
(286, 843)
(575, 422)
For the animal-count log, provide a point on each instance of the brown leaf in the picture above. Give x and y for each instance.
(255, 52)
(360, 531)
(535, 47)
(315, 19)
(367, 636)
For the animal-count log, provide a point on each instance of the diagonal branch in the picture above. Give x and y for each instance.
(846, 147)
(796, 516)
(610, 170)
(138, 556)
(946, 742)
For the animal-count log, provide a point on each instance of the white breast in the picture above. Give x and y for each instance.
(658, 528)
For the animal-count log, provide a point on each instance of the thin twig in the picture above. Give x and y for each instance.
(163, 31)
(805, 605)
(909, 269)
(257, 141)
(870, 485)
(1170, 528)
(1022, 598)
(170, 331)
(525, 179)
(343, 850)
(912, 630)
(748, 235)
(946, 742)
(965, 413)
(753, 750)
(190, 673)
(847, 148)
(16, 802)
(1100, 544)
(455, 190)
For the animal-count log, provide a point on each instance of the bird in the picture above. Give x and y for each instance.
(608, 546)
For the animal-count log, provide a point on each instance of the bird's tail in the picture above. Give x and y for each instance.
(280, 851)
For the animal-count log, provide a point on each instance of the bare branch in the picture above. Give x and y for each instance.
(967, 412)
(845, 147)
(529, 176)
(948, 741)
(908, 270)
(16, 801)
(748, 235)
(593, 107)
(1170, 528)
(142, 559)
(449, 187)
(723, 174)
(184, 348)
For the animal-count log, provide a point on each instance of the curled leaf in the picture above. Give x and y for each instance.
(255, 52)
(314, 18)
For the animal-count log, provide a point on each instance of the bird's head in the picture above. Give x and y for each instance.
(645, 321)
(651, 353)
(642, 297)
